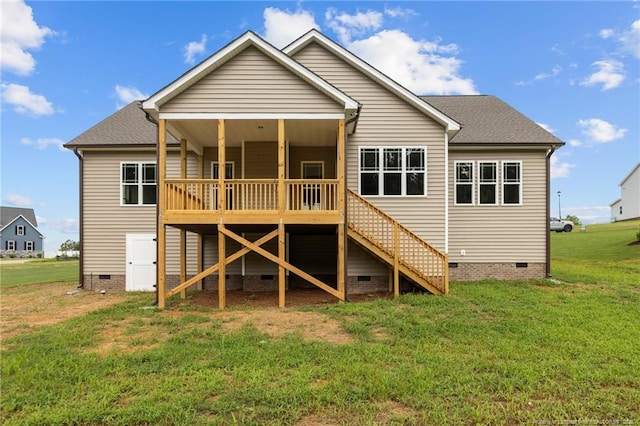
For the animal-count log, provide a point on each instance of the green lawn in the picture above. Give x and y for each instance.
(490, 353)
(37, 271)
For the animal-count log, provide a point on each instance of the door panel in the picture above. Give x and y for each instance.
(141, 262)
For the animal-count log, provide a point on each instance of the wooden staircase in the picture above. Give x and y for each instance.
(396, 245)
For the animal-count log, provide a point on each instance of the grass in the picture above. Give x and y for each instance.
(490, 353)
(37, 272)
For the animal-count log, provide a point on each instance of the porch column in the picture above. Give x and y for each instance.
(200, 239)
(222, 286)
(342, 252)
(281, 210)
(183, 233)
(161, 230)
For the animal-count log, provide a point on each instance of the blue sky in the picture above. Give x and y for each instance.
(573, 67)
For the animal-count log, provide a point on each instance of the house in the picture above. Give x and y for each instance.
(628, 205)
(267, 169)
(19, 235)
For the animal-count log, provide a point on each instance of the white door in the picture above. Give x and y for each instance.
(141, 262)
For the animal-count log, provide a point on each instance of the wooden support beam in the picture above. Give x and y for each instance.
(183, 233)
(341, 269)
(212, 269)
(221, 166)
(200, 250)
(302, 274)
(281, 166)
(342, 208)
(160, 227)
(281, 271)
(222, 269)
(396, 260)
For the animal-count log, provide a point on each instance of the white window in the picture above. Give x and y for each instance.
(463, 182)
(20, 230)
(228, 170)
(488, 182)
(11, 245)
(393, 171)
(511, 182)
(138, 183)
(28, 245)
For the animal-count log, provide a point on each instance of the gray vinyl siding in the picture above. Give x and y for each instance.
(256, 264)
(326, 154)
(30, 234)
(501, 233)
(252, 83)
(387, 120)
(211, 254)
(106, 222)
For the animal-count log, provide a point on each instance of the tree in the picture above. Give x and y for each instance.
(70, 245)
(574, 219)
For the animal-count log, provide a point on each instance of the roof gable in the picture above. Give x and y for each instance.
(154, 103)
(9, 214)
(622, 182)
(315, 36)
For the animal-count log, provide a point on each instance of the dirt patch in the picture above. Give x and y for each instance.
(27, 307)
(392, 412)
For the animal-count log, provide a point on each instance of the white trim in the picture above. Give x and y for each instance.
(21, 228)
(12, 242)
(139, 184)
(496, 183)
(472, 183)
(29, 242)
(502, 183)
(26, 220)
(248, 116)
(234, 48)
(394, 87)
(446, 193)
(403, 171)
(233, 169)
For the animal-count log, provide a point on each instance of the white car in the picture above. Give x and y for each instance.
(560, 225)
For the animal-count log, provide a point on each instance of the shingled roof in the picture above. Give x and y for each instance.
(488, 120)
(8, 215)
(126, 127)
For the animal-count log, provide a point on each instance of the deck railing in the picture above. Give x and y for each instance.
(396, 241)
(251, 194)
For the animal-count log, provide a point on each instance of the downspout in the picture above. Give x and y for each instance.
(548, 205)
(80, 220)
(151, 120)
(346, 194)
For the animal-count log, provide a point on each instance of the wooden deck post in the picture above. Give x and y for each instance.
(200, 239)
(222, 250)
(183, 233)
(281, 210)
(161, 231)
(342, 206)
(281, 270)
(396, 260)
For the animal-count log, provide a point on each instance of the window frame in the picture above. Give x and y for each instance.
(226, 163)
(140, 183)
(21, 230)
(11, 243)
(495, 183)
(29, 243)
(404, 170)
(471, 183)
(504, 182)
(312, 162)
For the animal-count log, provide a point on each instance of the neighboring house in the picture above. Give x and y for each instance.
(628, 205)
(334, 176)
(19, 235)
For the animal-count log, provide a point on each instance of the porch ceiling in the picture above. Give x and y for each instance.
(298, 132)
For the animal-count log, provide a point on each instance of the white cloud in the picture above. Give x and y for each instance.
(283, 27)
(630, 39)
(19, 33)
(606, 33)
(126, 95)
(347, 26)
(610, 74)
(423, 67)
(546, 127)
(43, 143)
(195, 48)
(17, 200)
(556, 49)
(399, 12)
(25, 102)
(590, 214)
(554, 72)
(66, 225)
(574, 142)
(560, 169)
(600, 131)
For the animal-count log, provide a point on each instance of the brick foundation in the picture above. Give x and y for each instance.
(499, 271)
